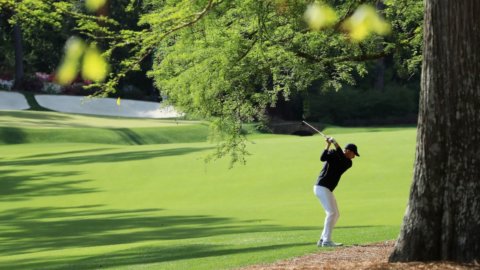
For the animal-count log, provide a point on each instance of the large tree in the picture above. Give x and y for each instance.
(229, 61)
(442, 221)
(237, 58)
(30, 30)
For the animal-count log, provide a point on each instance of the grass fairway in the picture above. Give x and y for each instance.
(159, 206)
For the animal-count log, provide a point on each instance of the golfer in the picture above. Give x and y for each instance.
(336, 162)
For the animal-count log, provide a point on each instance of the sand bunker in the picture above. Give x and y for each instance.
(106, 106)
(13, 101)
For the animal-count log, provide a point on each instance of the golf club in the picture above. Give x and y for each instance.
(319, 132)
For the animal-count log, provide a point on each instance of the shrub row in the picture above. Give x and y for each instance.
(349, 106)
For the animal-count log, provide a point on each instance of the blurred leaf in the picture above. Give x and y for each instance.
(94, 67)
(319, 16)
(68, 70)
(74, 48)
(67, 73)
(94, 5)
(365, 21)
(118, 101)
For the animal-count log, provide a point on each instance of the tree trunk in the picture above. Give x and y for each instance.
(380, 69)
(442, 220)
(19, 71)
(380, 76)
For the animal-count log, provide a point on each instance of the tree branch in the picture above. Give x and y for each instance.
(353, 58)
(347, 14)
(149, 50)
(200, 15)
(361, 58)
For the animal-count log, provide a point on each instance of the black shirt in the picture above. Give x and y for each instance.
(336, 163)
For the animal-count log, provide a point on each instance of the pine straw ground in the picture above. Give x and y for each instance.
(361, 257)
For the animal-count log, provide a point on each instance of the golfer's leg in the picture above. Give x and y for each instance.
(328, 202)
(317, 190)
(331, 215)
(331, 218)
(335, 207)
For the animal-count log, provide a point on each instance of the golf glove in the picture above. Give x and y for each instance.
(332, 140)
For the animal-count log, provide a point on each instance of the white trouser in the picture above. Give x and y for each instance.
(331, 209)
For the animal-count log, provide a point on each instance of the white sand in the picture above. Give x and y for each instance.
(13, 101)
(106, 106)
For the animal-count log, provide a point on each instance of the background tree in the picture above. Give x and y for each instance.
(35, 28)
(46, 25)
(442, 221)
(244, 56)
(231, 61)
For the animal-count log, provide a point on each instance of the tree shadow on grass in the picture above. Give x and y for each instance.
(12, 135)
(147, 255)
(15, 185)
(129, 136)
(124, 156)
(152, 255)
(53, 229)
(29, 230)
(22, 115)
(18, 184)
(44, 155)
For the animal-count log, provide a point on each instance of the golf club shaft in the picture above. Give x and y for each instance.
(319, 132)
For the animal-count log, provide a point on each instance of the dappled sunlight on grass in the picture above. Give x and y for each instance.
(159, 206)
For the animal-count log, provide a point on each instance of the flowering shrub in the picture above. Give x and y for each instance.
(6, 85)
(44, 76)
(47, 83)
(51, 88)
(31, 84)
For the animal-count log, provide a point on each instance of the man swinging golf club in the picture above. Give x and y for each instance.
(336, 162)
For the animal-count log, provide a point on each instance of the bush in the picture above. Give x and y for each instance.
(131, 92)
(30, 84)
(349, 106)
(77, 89)
(6, 85)
(51, 88)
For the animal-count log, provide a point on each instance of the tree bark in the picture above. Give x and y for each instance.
(19, 70)
(380, 68)
(442, 220)
(380, 75)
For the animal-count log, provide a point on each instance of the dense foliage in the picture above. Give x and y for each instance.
(245, 55)
(228, 61)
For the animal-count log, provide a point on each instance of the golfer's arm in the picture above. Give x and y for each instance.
(337, 146)
(328, 145)
(324, 155)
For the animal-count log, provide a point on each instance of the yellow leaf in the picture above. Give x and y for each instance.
(118, 101)
(94, 67)
(67, 73)
(68, 70)
(365, 21)
(319, 16)
(94, 5)
(74, 48)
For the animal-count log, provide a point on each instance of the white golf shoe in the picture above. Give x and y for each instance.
(331, 244)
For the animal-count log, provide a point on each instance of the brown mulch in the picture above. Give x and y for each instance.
(361, 257)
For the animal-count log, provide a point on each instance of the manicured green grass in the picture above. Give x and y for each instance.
(159, 206)
(17, 127)
(46, 120)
